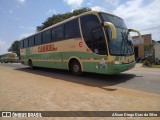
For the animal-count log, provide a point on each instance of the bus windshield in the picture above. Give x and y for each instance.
(122, 45)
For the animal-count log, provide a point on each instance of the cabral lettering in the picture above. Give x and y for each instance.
(45, 48)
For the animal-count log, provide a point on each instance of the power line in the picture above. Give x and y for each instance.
(155, 31)
(157, 27)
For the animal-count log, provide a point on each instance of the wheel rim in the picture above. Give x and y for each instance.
(76, 68)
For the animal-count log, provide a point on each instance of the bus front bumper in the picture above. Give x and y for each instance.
(117, 68)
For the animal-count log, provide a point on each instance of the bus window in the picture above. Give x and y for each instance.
(47, 36)
(25, 43)
(38, 39)
(72, 29)
(99, 43)
(31, 41)
(54, 34)
(93, 34)
(21, 44)
(57, 33)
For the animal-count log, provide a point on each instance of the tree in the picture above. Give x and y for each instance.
(60, 17)
(15, 47)
(149, 48)
(150, 56)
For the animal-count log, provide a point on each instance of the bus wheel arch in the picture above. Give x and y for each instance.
(75, 66)
(30, 64)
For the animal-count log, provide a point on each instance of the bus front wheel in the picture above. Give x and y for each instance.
(75, 68)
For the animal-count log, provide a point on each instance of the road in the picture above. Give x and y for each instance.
(139, 78)
(50, 90)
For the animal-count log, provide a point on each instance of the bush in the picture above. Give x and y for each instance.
(146, 63)
(157, 62)
(150, 59)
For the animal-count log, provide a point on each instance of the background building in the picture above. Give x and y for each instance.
(157, 51)
(142, 47)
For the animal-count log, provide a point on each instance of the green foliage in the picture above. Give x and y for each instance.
(148, 47)
(157, 62)
(155, 66)
(15, 47)
(146, 63)
(150, 59)
(60, 17)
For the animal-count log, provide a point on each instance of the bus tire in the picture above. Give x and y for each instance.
(75, 67)
(30, 64)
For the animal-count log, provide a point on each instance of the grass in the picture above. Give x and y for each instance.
(155, 66)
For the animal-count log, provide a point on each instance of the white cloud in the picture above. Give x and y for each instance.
(3, 46)
(17, 18)
(21, 1)
(2, 43)
(51, 12)
(17, 6)
(10, 11)
(139, 15)
(98, 8)
(113, 3)
(90, 3)
(27, 27)
(74, 3)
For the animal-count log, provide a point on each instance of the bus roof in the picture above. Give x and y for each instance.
(8, 53)
(62, 22)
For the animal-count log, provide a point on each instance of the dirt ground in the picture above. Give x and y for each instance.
(26, 91)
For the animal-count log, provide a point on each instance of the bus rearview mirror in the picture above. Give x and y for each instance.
(112, 27)
(139, 34)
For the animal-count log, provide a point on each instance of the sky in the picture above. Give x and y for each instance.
(19, 18)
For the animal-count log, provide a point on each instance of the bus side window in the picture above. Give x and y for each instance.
(26, 43)
(99, 43)
(88, 22)
(22, 44)
(72, 29)
(58, 33)
(31, 41)
(47, 36)
(53, 34)
(38, 39)
(93, 34)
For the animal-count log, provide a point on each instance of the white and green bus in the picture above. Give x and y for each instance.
(96, 42)
(8, 57)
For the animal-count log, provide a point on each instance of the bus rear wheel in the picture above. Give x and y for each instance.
(75, 68)
(30, 64)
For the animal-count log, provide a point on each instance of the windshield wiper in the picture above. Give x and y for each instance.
(123, 43)
(126, 44)
(129, 42)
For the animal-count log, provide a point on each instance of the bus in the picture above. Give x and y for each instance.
(8, 57)
(94, 41)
